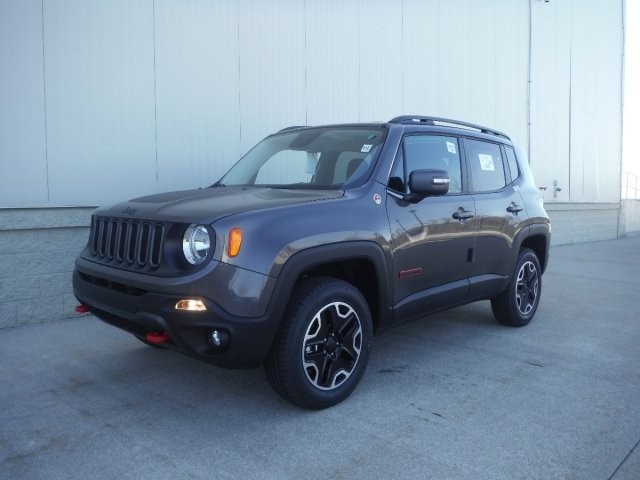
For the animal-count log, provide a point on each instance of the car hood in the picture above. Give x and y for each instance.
(209, 204)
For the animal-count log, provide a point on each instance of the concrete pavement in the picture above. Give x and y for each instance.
(452, 396)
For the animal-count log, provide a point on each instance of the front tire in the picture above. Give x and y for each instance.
(323, 346)
(517, 305)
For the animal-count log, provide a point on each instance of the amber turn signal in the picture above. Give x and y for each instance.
(235, 241)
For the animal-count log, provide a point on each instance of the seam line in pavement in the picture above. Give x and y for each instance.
(624, 460)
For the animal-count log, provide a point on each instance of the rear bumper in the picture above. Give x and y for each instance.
(139, 311)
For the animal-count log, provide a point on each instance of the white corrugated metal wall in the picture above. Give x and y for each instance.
(23, 159)
(101, 101)
(576, 98)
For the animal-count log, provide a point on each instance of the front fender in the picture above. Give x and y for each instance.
(306, 260)
(271, 237)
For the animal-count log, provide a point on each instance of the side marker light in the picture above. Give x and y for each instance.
(235, 242)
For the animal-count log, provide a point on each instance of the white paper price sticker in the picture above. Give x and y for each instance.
(486, 162)
(451, 147)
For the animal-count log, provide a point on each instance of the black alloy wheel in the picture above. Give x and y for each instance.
(323, 346)
(517, 305)
(332, 345)
(527, 284)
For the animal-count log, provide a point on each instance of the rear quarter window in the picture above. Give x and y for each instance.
(513, 164)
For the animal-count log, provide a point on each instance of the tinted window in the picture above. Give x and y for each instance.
(428, 152)
(485, 162)
(513, 164)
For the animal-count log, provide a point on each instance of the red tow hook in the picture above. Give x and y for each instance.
(157, 338)
(82, 308)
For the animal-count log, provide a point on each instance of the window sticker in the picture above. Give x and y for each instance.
(486, 162)
(451, 147)
(366, 148)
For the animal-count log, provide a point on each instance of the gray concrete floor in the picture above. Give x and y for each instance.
(452, 396)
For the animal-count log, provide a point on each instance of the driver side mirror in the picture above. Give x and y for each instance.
(428, 183)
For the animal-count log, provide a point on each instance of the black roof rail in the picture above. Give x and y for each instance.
(420, 119)
(292, 127)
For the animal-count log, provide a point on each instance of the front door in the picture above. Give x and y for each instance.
(433, 239)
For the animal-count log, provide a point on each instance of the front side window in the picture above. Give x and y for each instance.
(427, 152)
(324, 157)
(486, 166)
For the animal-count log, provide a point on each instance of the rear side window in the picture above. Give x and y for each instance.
(486, 165)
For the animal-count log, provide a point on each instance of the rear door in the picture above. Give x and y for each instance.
(499, 213)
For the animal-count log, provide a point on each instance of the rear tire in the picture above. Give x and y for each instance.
(323, 346)
(516, 306)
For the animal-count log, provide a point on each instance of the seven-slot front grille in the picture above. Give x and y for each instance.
(128, 243)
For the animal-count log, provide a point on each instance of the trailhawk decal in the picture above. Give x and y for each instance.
(413, 272)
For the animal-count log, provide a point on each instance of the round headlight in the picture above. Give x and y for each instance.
(196, 244)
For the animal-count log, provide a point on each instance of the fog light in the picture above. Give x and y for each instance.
(191, 305)
(219, 339)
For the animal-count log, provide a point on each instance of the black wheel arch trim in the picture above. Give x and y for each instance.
(526, 233)
(308, 259)
(535, 230)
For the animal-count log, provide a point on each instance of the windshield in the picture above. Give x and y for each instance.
(325, 157)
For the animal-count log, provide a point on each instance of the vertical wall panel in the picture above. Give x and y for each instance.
(380, 60)
(512, 67)
(585, 138)
(482, 76)
(198, 112)
(550, 96)
(100, 100)
(272, 73)
(576, 99)
(631, 139)
(596, 46)
(422, 66)
(23, 168)
(610, 70)
(467, 60)
(332, 63)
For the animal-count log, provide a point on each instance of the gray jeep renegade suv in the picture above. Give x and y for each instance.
(317, 238)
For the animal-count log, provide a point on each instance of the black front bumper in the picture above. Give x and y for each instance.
(140, 312)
